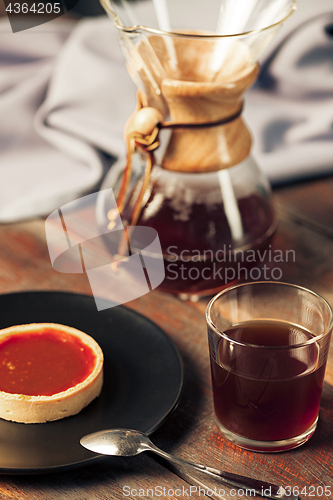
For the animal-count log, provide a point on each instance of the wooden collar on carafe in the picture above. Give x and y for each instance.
(208, 133)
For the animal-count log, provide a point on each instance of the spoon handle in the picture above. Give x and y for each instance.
(262, 488)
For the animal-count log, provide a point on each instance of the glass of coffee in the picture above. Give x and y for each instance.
(268, 345)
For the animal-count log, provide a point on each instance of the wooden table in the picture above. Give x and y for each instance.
(306, 226)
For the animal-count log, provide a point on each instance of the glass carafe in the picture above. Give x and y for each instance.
(189, 173)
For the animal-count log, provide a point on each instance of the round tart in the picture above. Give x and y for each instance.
(47, 372)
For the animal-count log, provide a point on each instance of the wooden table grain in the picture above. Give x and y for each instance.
(305, 213)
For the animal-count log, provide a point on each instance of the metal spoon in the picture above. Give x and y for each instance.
(128, 443)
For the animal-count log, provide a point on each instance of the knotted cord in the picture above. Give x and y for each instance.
(147, 144)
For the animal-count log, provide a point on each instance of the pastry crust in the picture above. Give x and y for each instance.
(38, 409)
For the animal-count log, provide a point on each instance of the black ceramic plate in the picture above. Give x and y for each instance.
(143, 379)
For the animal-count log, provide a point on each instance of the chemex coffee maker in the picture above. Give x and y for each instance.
(189, 173)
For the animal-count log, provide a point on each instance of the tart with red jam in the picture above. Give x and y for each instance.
(47, 372)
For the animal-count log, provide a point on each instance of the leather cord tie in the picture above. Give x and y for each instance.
(142, 134)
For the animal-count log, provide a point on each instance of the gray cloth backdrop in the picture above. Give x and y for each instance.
(65, 95)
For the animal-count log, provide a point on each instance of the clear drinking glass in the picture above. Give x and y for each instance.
(268, 345)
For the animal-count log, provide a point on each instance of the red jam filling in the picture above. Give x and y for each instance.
(43, 363)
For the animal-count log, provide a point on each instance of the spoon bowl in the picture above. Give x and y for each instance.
(117, 442)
